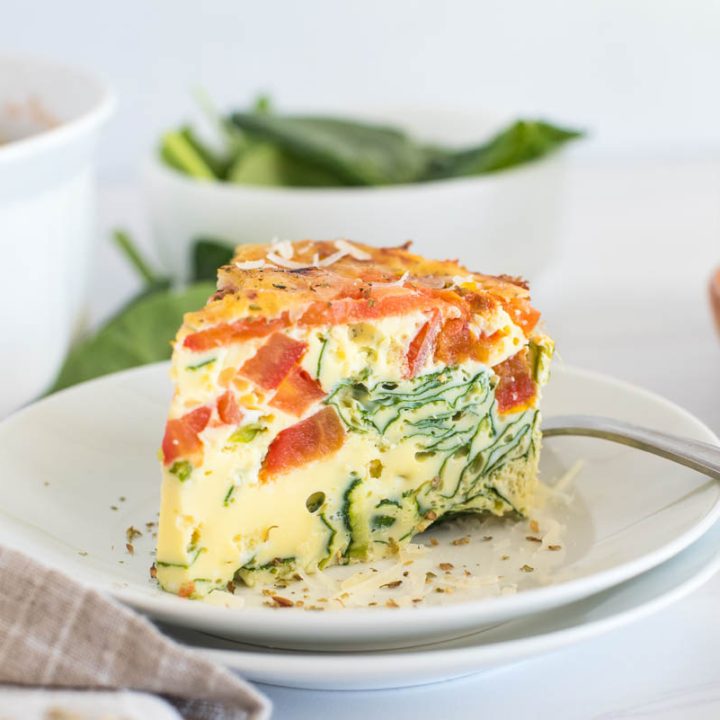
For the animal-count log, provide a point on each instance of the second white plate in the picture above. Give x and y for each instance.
(80, 469)
(479, 652)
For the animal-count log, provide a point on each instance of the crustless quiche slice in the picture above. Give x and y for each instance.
(334, 399)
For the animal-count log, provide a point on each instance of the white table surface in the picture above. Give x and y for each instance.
(627, 297)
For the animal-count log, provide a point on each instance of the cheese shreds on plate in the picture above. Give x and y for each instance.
(333, 400)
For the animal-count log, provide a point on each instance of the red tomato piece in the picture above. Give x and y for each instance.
(227, 333)
(297, 392)
(318, 436)
(454, 342)
(181, 435)
(482, 346)
(444, 296)
(516, 388)
(187, 589)
(269, 366)
(228, 409)
(523, 314)
(422, 345)
(348, 310)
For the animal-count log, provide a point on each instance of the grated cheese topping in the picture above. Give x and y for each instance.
(350, 249)
(394, 283)
(250, 265)
(332, 259)
(283, 248)
(285, 262)
(282, 252)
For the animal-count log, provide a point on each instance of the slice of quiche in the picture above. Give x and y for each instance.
(334, 399)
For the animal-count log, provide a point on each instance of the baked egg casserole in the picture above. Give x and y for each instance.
(334, 399)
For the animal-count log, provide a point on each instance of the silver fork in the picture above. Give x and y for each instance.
(700, 456)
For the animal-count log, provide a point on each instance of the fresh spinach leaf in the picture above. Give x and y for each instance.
(185, 151)
(208, 254)
(262, 104)
(139, 334)
(265, 164)
(229, 137)
(262, 148)
(216, 160)
(179, 151)
(522, 142)
(356, 153)
(383, 521)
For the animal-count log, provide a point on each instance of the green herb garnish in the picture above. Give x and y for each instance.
(320, 356)
(388, 501)
(382, 521)
(199, 365)
(246, 433)
(228, 496)
(182, 470)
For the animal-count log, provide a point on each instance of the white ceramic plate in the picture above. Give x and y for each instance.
(487, 650)
(80, 467)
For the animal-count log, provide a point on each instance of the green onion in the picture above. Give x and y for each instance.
(182, 469)
(246, 433)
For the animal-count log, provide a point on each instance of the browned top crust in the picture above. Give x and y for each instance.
(267, 280)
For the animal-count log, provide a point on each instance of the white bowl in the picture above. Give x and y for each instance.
(50, 116)
(503, 222)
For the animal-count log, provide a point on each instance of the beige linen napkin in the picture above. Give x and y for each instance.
(56, 633)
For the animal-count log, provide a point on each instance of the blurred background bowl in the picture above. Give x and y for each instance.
(498, 223)
(50, 116)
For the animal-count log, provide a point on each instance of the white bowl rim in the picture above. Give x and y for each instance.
(65, 132)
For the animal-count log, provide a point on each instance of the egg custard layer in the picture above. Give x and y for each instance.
(334, 399)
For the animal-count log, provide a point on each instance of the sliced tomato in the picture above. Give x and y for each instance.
(187, 589)
(228, 409)
(318, 436)
(181, 435)
(523, 314)
(481, 346)
(445, 296)
(516, 388)
(422, 345)
(297, 392)
(227, 333)
(269, 366)
(349, 310)
(454, 342)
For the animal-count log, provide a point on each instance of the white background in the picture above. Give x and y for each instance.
(642, 75)
(640, 230)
